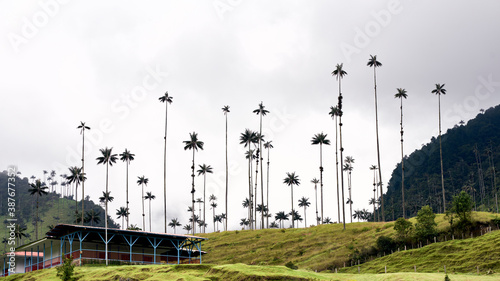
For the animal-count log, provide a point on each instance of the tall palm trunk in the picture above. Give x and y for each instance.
(192, 194)
(378, 146)
(341, 153)
(267, 188)
(143, 215)
(164, 170)
(441, 155)
(316, 196)
(256, 185)
(337, 166)
(106, 215)
(37, 217)
(261, 174)
(402, 164)
(293, 221)
(350, 194)
(83, 172)
(127, 193)
(321, 177)
(250, 198)
(149, 215)
(227, 186)
(204, 200)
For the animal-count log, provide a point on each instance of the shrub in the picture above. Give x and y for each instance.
(385, 244)
(291, 265)
(403, 228)
(65, 271)
(425, 228)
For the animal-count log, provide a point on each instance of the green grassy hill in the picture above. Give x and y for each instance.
(52, 209)
(320, 248)
(228, 273)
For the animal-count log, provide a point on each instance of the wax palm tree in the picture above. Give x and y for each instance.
(149, 196)
(246, 204)
(194, 220)
(268, 145)
(199, 201)
(373, 62)
(204, 170)
(348, 168)
(247, 138)
(296, 216)
(320, 139)
(187, 228)
(440, 90)
(225, 109)
(39, 189)
(106, 197)
(122, 213)
(304, 202)
(126, 157)
(75, 177)
(143, 181)
(259, 139)
(281, 216)
(358, 214)
(193, 144)
(291, 180)
(174, 223)
(212, 198)
(339, 73)
(244, 222)
(374, 199)
(334, 113)
(402, 94)
(82, 128)
(108, 159)
(20, 230)
(93, 216)
(167, 100)
(261, 111)
(316, 181)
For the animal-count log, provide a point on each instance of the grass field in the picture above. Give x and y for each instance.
(320, 248)
(228, 272)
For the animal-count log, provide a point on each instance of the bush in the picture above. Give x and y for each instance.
(446, 278)
(65, 271)
(425, 228)
(404, 228)
(386, 244)
(291, 265)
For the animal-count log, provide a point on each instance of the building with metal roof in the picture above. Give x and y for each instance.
(88, 244)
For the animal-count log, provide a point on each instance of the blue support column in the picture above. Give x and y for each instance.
(24, 261)
(37, 256)
(178, 248)
(51, 253)
(155, 245)
(31, 259)
(71, 237)
(197, 244)
(81, 238)
(61, 253)
(43, 258)
(130, 241)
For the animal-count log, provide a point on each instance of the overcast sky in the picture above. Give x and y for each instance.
(106, 63)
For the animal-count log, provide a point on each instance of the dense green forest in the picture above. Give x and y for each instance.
(53, 209)
(470, 155)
